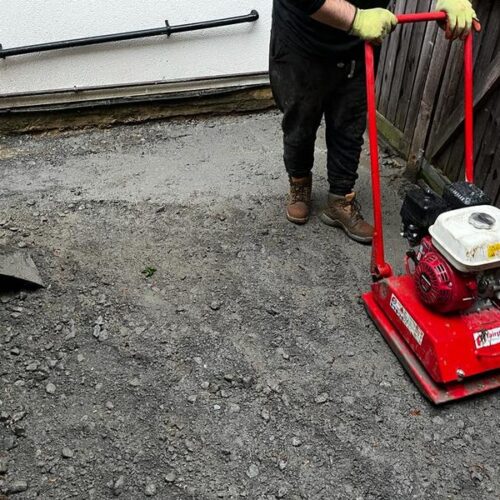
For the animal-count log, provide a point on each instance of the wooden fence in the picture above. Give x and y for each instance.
(420, 94)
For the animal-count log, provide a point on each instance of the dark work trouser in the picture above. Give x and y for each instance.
(305, 90)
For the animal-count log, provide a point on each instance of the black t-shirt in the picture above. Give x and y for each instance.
(294, 26)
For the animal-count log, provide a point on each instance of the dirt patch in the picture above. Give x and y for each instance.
(244, 366)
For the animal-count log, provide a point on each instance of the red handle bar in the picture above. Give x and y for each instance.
(421, 17)
(380, 268)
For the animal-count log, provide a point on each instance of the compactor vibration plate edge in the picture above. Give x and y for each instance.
(436, 393)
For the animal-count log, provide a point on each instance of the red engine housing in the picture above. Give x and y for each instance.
(439, 285)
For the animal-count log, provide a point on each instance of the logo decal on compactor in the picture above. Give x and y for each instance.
(407, 320)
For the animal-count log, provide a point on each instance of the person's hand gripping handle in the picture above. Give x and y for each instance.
(373, 25)
(462, 18)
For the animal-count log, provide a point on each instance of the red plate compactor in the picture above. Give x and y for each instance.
(442, 317)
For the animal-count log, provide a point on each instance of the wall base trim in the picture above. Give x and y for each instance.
(140, 92)
(135, 110)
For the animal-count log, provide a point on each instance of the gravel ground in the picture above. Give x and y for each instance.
(192, 344)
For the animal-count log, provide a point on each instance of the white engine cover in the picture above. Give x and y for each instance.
(469, 237)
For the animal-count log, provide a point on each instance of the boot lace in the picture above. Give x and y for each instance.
(354, 209)
(300, 194)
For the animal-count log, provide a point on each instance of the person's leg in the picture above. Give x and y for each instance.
(345, 117)
(299, 88)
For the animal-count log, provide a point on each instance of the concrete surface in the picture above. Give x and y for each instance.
(244, 367)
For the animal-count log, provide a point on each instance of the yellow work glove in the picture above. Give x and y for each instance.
(461, 17)
(373, 24)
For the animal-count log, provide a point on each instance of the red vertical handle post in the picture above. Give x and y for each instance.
(469, 108)
(380, 268)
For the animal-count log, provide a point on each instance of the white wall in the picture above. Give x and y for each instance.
(216, 52)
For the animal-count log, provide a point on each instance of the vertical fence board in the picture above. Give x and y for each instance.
(391, 63)
(383, 59)
(414, 55)
(449, 89)
(420, 78)
(402, 65)
(432, 85)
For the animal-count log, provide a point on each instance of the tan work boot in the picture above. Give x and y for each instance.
(299, 200)
(345, 212)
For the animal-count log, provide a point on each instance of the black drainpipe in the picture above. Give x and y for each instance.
(130, 35)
